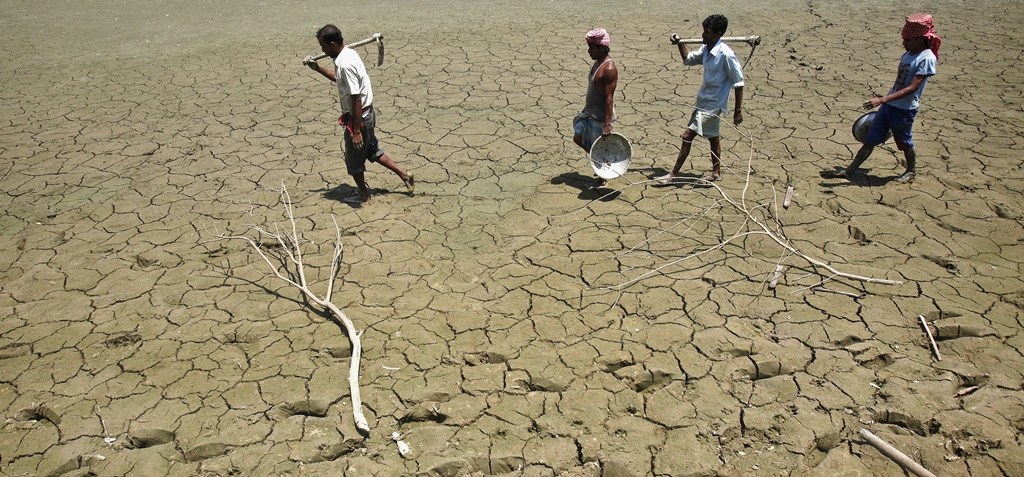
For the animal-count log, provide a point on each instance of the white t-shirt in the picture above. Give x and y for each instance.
(722, 73)
(351, 78)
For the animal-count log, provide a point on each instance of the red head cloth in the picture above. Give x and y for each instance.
(921, 25)
(598, 36)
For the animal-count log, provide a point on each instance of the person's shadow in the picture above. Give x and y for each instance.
(585, 185)
(860, 178)
(346, 191)
(688, 179)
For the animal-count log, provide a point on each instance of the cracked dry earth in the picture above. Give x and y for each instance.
(496, 340)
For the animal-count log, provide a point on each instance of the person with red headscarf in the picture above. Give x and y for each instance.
(899, 107)
(599, 109)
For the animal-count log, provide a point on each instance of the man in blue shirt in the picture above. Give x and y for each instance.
(722, 74)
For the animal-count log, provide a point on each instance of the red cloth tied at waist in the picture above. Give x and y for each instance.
(922, 25)
(346, 120)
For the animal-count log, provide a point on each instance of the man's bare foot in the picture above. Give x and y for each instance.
(665, 179)
(356, 200)
(839, 174)
(410, 183)
(907, 177)
(715, 175)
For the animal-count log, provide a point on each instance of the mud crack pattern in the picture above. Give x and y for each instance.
(130, 345)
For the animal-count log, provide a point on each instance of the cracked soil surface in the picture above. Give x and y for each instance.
(496, 338)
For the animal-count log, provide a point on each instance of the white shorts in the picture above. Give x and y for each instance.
(704, 123)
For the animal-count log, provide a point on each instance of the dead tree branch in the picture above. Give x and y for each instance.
(755, 219)
(286, 263)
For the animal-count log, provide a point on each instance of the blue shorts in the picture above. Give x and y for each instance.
(891, 118)
(587, 128)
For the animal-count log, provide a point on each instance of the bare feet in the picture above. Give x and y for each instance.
(410, 183)
(356, 200)
(665, 179)
(839, 174)
(597, 184)
(907, 177)
(715, 175)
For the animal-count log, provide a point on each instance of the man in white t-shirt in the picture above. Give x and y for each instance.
(357, 115)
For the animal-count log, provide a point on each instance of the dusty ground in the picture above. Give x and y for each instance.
(494, 342)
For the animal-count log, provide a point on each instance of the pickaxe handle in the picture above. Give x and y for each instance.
(750, 40)
(377, 37)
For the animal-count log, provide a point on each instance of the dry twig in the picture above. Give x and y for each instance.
(288, 266)
(898, 457)
(755, 220)
(931, 340)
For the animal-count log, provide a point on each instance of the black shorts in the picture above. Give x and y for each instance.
(355, 158)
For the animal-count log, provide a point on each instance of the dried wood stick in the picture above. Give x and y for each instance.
(837, 292)
(967, 390)
(757, 220)
(931, 340)
(898, 457)
(775, 277)
(289, 244)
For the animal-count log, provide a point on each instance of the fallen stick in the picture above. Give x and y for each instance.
(754, 222)
(898, 457)
(789, 197)
(286, 248)
(757, 219)
(931, 340)
(838, 292)
(775, 277)
(967, 390)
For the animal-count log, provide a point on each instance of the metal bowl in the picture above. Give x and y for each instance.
(610, 155)
(863, 124)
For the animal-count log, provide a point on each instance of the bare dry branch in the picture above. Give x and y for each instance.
(288, 251)
(757, 219)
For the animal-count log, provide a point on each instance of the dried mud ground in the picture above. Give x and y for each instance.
(512, 323)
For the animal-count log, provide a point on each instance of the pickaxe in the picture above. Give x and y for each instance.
(753, 41)
(377, 37)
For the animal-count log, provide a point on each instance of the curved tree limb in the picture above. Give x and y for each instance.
(756, 219)
(291, 270)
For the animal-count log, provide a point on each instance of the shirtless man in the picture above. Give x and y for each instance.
(596, 118)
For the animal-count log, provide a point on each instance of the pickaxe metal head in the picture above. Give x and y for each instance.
(380, 48)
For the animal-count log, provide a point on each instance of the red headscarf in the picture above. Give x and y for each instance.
(598, 36)
(921, 25)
